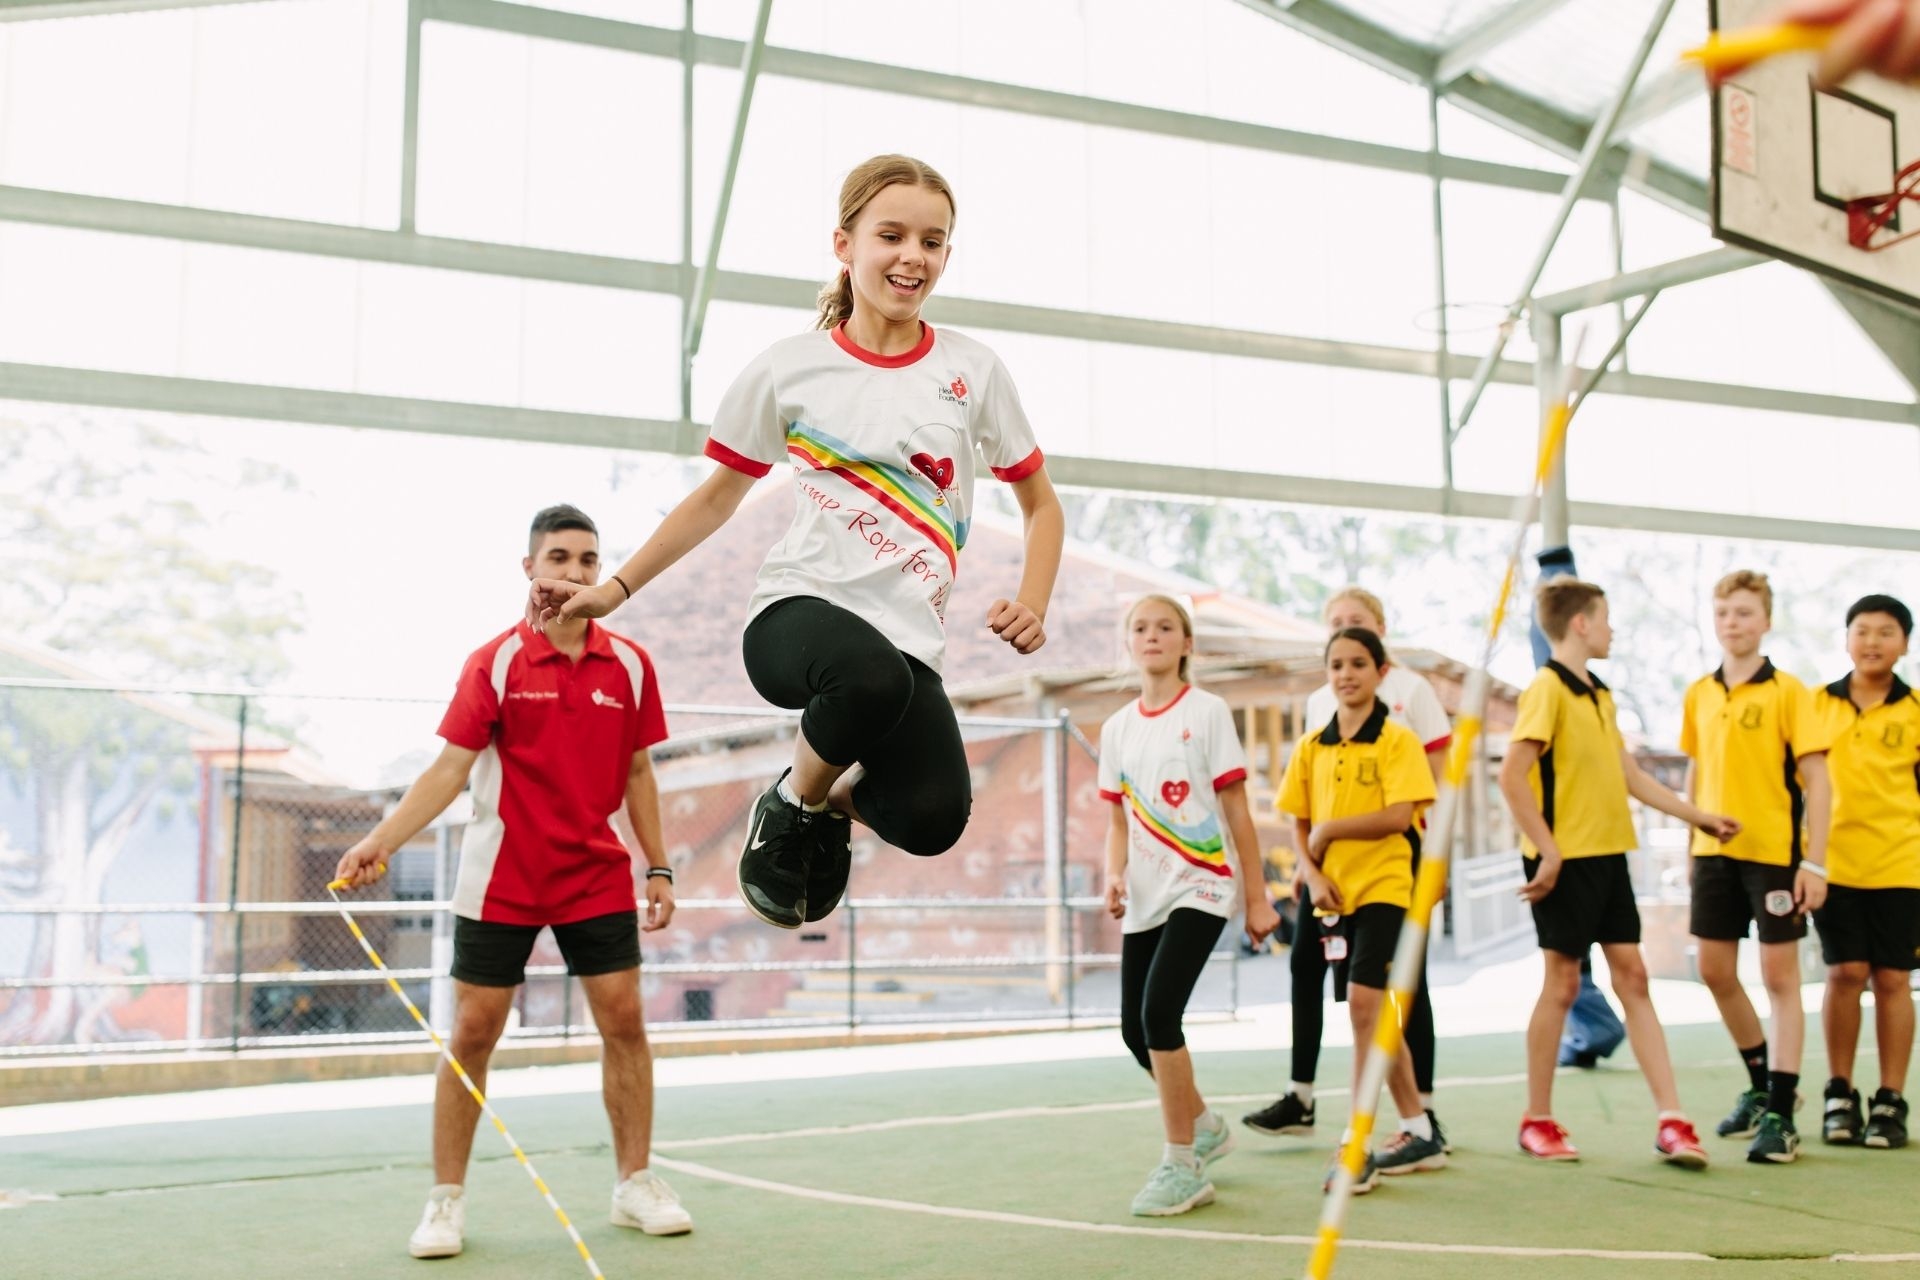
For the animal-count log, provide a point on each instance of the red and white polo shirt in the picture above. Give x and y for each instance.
(556, 740)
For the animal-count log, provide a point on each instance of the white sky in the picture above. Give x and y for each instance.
(293, 109)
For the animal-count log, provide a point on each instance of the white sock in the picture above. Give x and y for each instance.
(1303, 1090)
(792, 797)
(1426, 1101)
(1419, 1126)
(1180, 1153)
(1673, 1115)
(1208, 1121)
(446, 1191)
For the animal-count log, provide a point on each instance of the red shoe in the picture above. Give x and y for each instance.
(1678, 1144)
(1544, 1139)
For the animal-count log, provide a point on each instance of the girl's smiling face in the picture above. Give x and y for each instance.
(1352, 673)
(896, 250)
(1156, 640)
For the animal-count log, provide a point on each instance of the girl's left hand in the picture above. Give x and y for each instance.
(1117, 899)
(1262, 919)
(1018, 625)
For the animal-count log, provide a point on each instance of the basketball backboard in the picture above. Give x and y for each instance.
(1788, 157)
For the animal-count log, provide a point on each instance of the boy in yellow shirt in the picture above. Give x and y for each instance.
(1566, 777)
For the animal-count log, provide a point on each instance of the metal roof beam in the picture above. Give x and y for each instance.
(393, 413)
(1473, 45)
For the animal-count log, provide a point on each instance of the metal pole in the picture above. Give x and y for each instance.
(440, 986)
(410, 118)
(686, 221)
(1053, 764)
(1596, 146)
(703, 286)
(233, 876)
(1618, 348)
(1555, 522)
(853, 966)
(1441, 340)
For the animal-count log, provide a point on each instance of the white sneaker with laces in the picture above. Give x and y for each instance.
(645, 1201)
(443, 1227)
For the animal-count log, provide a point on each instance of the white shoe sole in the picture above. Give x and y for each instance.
(1428, 1165)
(434, 1250)
(747, 901)
(1203, 1196)
(679, 1227)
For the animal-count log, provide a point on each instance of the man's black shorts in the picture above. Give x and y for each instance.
(1728, 893)
(1591, 902)
(1879, 926)
(1373, 931)
(495, 955)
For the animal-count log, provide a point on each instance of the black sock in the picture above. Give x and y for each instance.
(1839, 1087)
(1756, 1060)
(1780, 1089)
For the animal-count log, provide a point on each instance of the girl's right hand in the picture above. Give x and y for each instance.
(1117, 899)
(551, 600)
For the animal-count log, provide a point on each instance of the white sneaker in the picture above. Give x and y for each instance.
(646, 1202)
(443, 1227)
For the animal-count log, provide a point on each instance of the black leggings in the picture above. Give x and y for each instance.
(1158, 969)
(867, 703)
(1309, 964)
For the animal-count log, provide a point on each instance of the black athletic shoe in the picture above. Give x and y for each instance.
(1439, 1133)
(1744, 1120)
(1777, 1141)
(1887, 1120)
(829, 833)
(1288, 1117)
(773, 860)
(1842, 1125)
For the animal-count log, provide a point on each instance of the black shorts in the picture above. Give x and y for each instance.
(487, 954)
(1591, 902)
(1879, 926)
(1730, 893)
(1369, 934)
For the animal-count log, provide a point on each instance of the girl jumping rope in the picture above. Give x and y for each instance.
(1173, 768)
(881, 418)
(1354, 789)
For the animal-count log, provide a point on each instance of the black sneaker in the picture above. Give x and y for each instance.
(1744, 1120)
(1842, 1125)
(1406, 1153)
(1439, 1133)
(830, 834)
(1777, 1141)
(1887, 1120)
(1289, 1117)
(773, 861)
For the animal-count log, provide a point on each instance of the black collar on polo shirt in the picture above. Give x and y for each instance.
(1764, 674)
(1843, 689)
(1369, 732)
(1575, 683)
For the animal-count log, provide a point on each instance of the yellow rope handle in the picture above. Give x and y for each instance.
(460, 1071)
(1430, 885)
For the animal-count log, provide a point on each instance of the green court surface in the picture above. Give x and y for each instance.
(994, 1171)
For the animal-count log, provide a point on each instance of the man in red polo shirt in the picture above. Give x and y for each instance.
(559, 725)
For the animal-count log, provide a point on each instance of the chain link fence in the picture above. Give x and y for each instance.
(164, 856)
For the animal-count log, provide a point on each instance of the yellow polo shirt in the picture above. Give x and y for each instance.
(1746, 743)
(1874, 840)
(1330, 777)
(1579, 782)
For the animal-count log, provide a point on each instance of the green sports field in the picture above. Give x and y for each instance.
(1011, 1170)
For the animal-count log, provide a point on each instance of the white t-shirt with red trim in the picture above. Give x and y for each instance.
(883, 452)
(1166, 765)
(1410, 700)
(556, 740)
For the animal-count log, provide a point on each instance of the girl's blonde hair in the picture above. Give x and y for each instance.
(1180, 612)
(1362, 597)
(862, 185)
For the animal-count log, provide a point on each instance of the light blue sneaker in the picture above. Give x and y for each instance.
(1172, 1189)
(1210, 1144)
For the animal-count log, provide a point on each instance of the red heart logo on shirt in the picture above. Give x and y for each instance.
(938, 470)
(959, 387)
(1175, 793)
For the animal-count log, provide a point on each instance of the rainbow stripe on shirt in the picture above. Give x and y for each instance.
(1199, 844)
(903, 494)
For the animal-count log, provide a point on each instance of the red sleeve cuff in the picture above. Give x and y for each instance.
(1444, 740)
(1021, 469)
(738, 461)
(1228, 778)
(1111, 797)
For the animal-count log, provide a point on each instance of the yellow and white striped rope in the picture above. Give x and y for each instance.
(1431, 884)
(458, 1070)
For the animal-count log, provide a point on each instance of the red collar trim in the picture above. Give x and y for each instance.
(1160, 711)
(874, 358)
(540, 649)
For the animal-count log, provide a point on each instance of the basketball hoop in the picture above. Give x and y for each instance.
(1867, 216)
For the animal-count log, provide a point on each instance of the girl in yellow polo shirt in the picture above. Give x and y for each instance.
(1354, 789)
